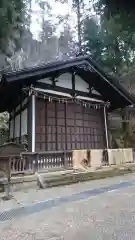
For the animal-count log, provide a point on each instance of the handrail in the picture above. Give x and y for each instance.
(38, 161)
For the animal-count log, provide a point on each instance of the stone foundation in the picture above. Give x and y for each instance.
(83, 159)
(80, 159)
(120, 156)
(96, 157)
(128, 155)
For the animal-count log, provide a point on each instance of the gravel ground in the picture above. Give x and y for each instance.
(103, 217)
(30, 196)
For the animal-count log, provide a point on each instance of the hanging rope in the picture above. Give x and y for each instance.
(71, 99)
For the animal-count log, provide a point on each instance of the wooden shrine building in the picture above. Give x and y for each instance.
(62, 105)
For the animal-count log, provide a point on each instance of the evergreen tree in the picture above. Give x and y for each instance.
(11, 21)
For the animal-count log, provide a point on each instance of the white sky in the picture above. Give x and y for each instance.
(57, 9)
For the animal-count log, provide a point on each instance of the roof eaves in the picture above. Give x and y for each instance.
(113, 81)
(60, 65)
(44, 69)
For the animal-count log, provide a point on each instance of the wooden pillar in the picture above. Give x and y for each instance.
(46, 127)
(14, 125)
(20, 135)
(109, 133)
(56, 125)
(33, 124)
(73, 94)
(65, 116)
(83, 129)
(107, 139)
(9, 126)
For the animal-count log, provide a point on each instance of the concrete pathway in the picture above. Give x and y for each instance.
(107, 215)
(33, 196)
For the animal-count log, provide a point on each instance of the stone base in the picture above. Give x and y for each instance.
(120, 156)
(83, 160)
(80, 160)
(96, 157)
(40, 181)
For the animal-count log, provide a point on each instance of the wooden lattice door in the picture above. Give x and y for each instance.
(66, 126)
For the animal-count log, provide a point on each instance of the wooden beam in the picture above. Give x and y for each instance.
(69, 91)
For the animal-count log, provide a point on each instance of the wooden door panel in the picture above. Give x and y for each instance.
(83, 127)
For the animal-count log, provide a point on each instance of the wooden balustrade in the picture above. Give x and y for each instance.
(46, 160)
(17, 164)
(32, 162)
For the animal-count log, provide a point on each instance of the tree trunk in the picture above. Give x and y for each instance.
(79, 27)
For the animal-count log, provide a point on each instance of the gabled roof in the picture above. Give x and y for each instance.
(90, 71)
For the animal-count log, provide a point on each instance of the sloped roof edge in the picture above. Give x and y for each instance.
(24, 74)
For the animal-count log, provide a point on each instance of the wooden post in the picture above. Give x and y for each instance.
(20, 138)
(9, 126)
(56, 125)
(106, 127)
(8, 195)
(14, 126)
(33, 122)
(65, 157)
(105, 151)
(36, 157)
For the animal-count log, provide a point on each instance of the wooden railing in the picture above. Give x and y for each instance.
(18, 164)
(41, 161)
(32, 162)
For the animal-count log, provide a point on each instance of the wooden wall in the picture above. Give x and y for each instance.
(19, 122)
(69, 126)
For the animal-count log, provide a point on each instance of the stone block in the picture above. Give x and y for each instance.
(40, 180)
(96, 156)
(120, 156)
(79, 158)
(115, 156)
(111, 157)
(127, 155)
